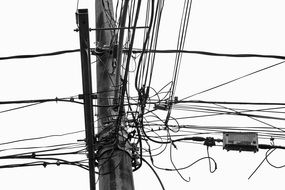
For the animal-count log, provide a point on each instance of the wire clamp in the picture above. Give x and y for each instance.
(210, 141)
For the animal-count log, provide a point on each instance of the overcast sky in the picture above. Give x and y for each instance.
(221, 26)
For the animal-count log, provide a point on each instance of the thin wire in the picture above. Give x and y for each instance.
(267, 154)
(228, 82)
(36, 102)
(41, 147)
(171, 158)
(210, 165)
(237, 103)
(20, 107)
(42, 137)
(254, 118)
(274, 166)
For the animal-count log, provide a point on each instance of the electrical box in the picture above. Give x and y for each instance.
(240, 141)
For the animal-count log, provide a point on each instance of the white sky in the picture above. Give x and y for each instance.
(244, 26)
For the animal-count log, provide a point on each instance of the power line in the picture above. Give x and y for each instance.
(42, 137)
(137, 51)
(233, 103)
(40, 55)
(35, 102)
(243, 55)
(236, 79)
(157, 176)
(71, 99)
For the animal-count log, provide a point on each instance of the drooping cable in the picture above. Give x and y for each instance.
(157, 176)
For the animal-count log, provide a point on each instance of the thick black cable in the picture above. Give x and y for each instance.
(39, 55)
(40, 101)
(153, 41)
(124, 87)
(244, 55)
(144, 45)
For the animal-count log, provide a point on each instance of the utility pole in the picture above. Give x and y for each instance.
(83, 23)
(114, 161)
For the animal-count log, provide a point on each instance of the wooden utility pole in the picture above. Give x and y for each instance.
(83, 24)
(115, 163)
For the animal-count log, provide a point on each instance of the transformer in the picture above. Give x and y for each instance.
(240, 141)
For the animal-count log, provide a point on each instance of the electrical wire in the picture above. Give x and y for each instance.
(266, 155)
(210, 165)
(233, 103)
(40, 55)
(20, 107)
(234, 80)
(171, 158)
(75, 145)
(137, 51)
(42, 137)
(157, 176)
(69, 99)
(254, 118)
(272, 165)
(180, 46)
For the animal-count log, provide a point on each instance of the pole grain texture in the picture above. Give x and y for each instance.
(115, 169)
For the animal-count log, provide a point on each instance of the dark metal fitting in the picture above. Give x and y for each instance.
(210, 141)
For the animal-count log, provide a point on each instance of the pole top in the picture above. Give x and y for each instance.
(82, 11)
